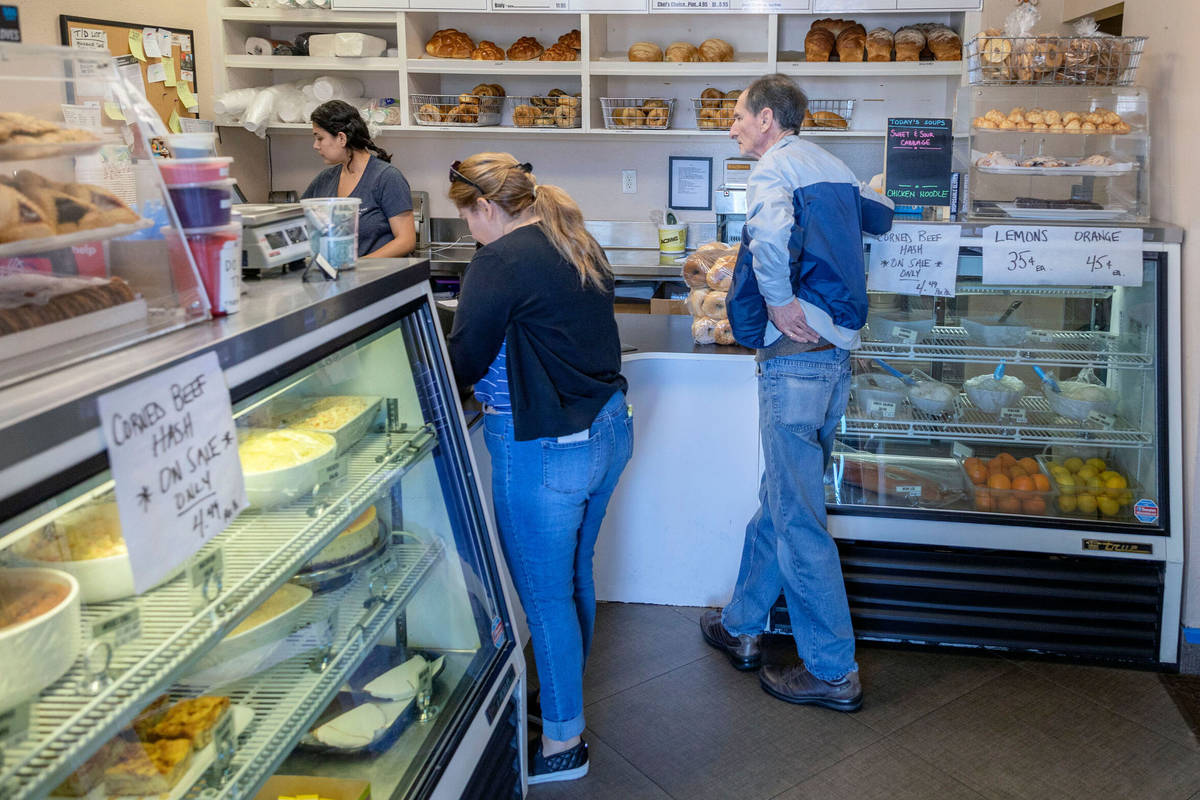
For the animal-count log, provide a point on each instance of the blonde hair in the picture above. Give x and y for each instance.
(503, 180)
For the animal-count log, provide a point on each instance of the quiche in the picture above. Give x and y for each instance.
(147, 767)
(193, 720)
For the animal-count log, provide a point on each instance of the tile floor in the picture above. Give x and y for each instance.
(668, 717)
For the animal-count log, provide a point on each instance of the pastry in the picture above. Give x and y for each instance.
(1052, 117)
(695, 300)
(682, 51)
(1088, 127)
(1047, 54)
(994, 47)
(1093, 118)
(1017, 115)
(879, 45)
(572, 38)
(712, 119)
(818, 44)
(28, 300)
(657, 117)
(450, 43)
(21, 218)
(429, 113)
(628, 117)
(716, 50)
(487, 51)
(464, 114)
(13, 122)
(1121, 127)
(851, 43)
(731, 98)
(696, 267)
(147, 768)
(828, 119)
(559, 52)
(983, 123)
(524, 116)
(645, 51)
(945, 44)
(711, 98)
(909, 43)
(544, 122)
(65, 213)
(468, 99)
(704, 330)
(720, 274)
(524, 49)
(284, 599)
(723, 333)
(111, 208)
(653, 102)
(1034, 116)
(568, 101)
(193, 720)
(995, 159)
(565, 116)
(1071, 116)
(1057, 127)
(713, 305)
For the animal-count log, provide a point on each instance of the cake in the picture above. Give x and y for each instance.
(142, 768)
(266, 451)
(358, 538)
(81, 534)
(24, 597)
(329, 413)
(283, 600)
(191, 720)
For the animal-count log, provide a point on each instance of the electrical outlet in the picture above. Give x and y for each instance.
(629, 181)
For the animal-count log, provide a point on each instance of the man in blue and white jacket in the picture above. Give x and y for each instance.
(799, 297)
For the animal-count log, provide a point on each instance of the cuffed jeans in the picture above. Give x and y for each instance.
(801, 399)
(550, 497)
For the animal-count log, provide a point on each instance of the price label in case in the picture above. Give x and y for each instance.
(205, 578)
(225, 735)
(1101, 419)
(1013, 414)
(906, 335)
(378, 573)
(960, 450)
(1062, 256)
(881, 408)
(909, 491)
(14, 724)
(335, 472)
(119, 629)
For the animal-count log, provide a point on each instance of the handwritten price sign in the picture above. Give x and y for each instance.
(1062, 256)
(916, 260)
(173, 450)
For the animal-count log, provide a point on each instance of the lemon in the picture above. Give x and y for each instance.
(1108, 506)
(1108, 474)
(1067, 504)
(1095, 486)
(1053, 464)
(1126, 498)
(1086, 473)
(1066, 484)
(1097, 464)
(1086, 504)
(1115, 486)
(1074, 464)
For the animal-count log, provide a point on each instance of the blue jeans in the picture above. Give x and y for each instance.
(550, 497)
(801, 399)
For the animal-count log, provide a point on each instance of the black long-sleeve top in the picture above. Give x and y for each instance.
(564, 352)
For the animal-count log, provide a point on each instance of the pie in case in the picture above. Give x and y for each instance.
(193, 720)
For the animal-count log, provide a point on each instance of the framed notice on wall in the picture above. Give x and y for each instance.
(165, 58)
(690, 181)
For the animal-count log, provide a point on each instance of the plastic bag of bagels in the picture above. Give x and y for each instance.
(697, 265)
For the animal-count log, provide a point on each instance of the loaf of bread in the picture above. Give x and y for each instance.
(645, 51)
(450, 43)
(526, 48)
(909, 43)
(559, 52)
(834, 26)
(945, 44)
(487, 51)
(818, 44)
(851, 43)
(682, 52)
(572, 39)
(879, 45)
(716, 50)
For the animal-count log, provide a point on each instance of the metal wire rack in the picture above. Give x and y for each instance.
(546, 111)
(637, 113)
(1054, 60)
(458, 110)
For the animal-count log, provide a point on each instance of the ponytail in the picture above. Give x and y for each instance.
(512, 186)
(338, 116)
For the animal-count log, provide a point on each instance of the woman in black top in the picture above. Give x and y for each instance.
(535, 333)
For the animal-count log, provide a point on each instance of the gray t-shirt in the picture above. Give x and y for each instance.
(384, 193)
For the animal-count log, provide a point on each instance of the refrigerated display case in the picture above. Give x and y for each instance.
(354, 622)
(1017, 485)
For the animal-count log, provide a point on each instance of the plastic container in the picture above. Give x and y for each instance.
(900, 326)
(1077, 399)
(217, 252)
(995, 334)
(332, 224)
(204, 204)
(1033, 502)
(37, 651)
(991, 395)
(874, 391)
(932, 397)
(672, 239)
(177, 171)
(191, 145)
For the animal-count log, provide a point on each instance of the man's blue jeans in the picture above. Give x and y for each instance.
(550, 497)
(801, 399)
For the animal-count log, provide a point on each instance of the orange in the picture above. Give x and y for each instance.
(999, 481)
(1028, 464)
(1023, 483)
(1033, 505)
(1008, 505)
(1007, 458)
(978, 473)
(970, 461)
(983, 500)
(1016, 471)
(996, 465)
(1041, 482)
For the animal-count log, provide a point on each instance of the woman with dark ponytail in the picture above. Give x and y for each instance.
(360, 168)
(535, 333)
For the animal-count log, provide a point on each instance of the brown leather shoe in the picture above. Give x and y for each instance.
(742, 650)
(795, 684)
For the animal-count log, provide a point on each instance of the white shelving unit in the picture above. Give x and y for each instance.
(763, 42)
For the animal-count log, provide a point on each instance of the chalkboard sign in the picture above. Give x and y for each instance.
(917, 161)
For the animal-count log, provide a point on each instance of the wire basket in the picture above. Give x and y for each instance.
(1054, 60)
(546, 111)
(458, 110)
(828, 114)
(637, 113)
(713, 114)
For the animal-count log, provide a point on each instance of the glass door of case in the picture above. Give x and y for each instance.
(1041, 404)
(351, 623)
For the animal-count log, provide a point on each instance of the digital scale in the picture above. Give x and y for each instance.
(273, 236)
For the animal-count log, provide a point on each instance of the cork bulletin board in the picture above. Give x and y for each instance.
(168, 76)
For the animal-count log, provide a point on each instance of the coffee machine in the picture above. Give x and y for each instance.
(729, 199)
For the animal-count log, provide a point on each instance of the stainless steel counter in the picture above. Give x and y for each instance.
(45, 411)
(668, 334)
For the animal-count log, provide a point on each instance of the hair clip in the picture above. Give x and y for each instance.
(526, 167)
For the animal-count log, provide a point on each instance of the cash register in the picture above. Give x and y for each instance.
(274, 238)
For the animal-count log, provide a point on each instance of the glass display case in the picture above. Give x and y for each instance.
(84, 265)
(353, 620)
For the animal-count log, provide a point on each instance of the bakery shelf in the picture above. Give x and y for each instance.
(968, 423)
(1050, 348)
(886, 69)
(261, 550)
(24, 247)
(753, 64)
(465, 66)
(312, 63)
(297, 16)
(288, 697)
(1082, 292)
